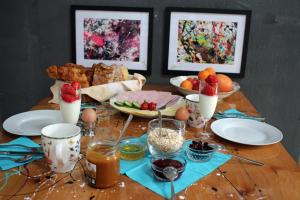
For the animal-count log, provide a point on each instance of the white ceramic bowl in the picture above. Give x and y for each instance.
(176, 81)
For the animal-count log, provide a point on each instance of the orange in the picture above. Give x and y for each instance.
(211, 70)
(203, 75)
(224, 83)
(187, 85)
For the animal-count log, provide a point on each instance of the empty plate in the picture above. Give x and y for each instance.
(30, 123)
(246, 131)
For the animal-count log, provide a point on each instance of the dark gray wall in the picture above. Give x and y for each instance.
(35, 34)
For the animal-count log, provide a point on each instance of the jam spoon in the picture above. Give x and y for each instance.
(171, 173)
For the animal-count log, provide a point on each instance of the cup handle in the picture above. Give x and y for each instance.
(58, 151)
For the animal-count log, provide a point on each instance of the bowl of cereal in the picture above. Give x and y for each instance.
(166, 140)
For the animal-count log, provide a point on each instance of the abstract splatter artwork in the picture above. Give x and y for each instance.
(112, 39)
(206, 42)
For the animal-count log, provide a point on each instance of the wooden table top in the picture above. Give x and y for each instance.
(279, 178)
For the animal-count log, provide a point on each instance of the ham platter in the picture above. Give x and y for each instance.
(165, 101)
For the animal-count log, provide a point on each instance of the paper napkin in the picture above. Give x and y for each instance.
(193, 172)
(8, 164)
(141, 172)
(233, 113)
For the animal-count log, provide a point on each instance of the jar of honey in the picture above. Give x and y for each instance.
(103, 165)
(102, 160)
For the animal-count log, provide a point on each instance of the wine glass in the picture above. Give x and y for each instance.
(208, 99)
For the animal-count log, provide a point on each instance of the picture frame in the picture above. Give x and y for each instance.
(197, 38)
(112, 35)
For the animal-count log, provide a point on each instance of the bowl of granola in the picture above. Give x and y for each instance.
(166, 140)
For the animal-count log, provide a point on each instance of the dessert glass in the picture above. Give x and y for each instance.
(207, 104)
(70, 101)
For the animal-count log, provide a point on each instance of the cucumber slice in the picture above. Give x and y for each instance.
(128, 104)
(119, 103)
(136, 105)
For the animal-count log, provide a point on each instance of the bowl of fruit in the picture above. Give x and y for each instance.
(200, 152)
(190, 84)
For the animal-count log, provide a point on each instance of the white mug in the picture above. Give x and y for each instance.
(61, 146)
(192, 103)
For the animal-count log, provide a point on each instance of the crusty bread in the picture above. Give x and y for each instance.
(102, 74)
(97, 75)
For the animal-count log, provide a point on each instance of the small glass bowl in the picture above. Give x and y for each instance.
(169, 141)
(132, 149)
(200, 155)
(159, 163)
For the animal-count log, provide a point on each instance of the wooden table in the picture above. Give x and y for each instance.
(279, 178)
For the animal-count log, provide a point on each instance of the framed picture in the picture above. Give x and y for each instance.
(200, 38)
(112, 35)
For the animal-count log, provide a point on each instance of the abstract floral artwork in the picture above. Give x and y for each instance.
(113, 35)
(201, 38)
(112, 39)
(206, 42)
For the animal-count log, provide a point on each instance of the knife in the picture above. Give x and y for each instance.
(20, 153)
(217, 116)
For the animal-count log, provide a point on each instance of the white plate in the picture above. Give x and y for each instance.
(246, 131)
(176, 81)
(31, 123)
(168, 111)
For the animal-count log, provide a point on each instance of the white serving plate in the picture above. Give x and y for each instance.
(168, 111)
(246, 131)
(176, 81)
(31, 123)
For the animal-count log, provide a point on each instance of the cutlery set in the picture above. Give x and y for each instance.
(26, 154)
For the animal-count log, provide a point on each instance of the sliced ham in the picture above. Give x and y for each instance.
(161, 98)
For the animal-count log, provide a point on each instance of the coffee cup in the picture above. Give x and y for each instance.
(61, 146)
(195, 120)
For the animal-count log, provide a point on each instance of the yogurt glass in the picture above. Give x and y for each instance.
(70, 101)
(207, 102)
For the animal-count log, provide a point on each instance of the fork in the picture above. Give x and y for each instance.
(33, 149)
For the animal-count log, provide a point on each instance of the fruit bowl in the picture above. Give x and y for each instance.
(200, 155)
(176, 81)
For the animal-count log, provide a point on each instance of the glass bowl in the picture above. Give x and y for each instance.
(200, 155)
(132, 149)
(159, 163)
(168, 140)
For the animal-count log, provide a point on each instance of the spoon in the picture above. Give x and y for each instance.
(160, 120)
(124, 128)
(220, 147)
(18, 160)
(171, 173)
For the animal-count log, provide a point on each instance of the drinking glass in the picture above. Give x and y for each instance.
(208, 99)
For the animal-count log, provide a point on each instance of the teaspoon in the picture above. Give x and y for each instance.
(171, 173)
